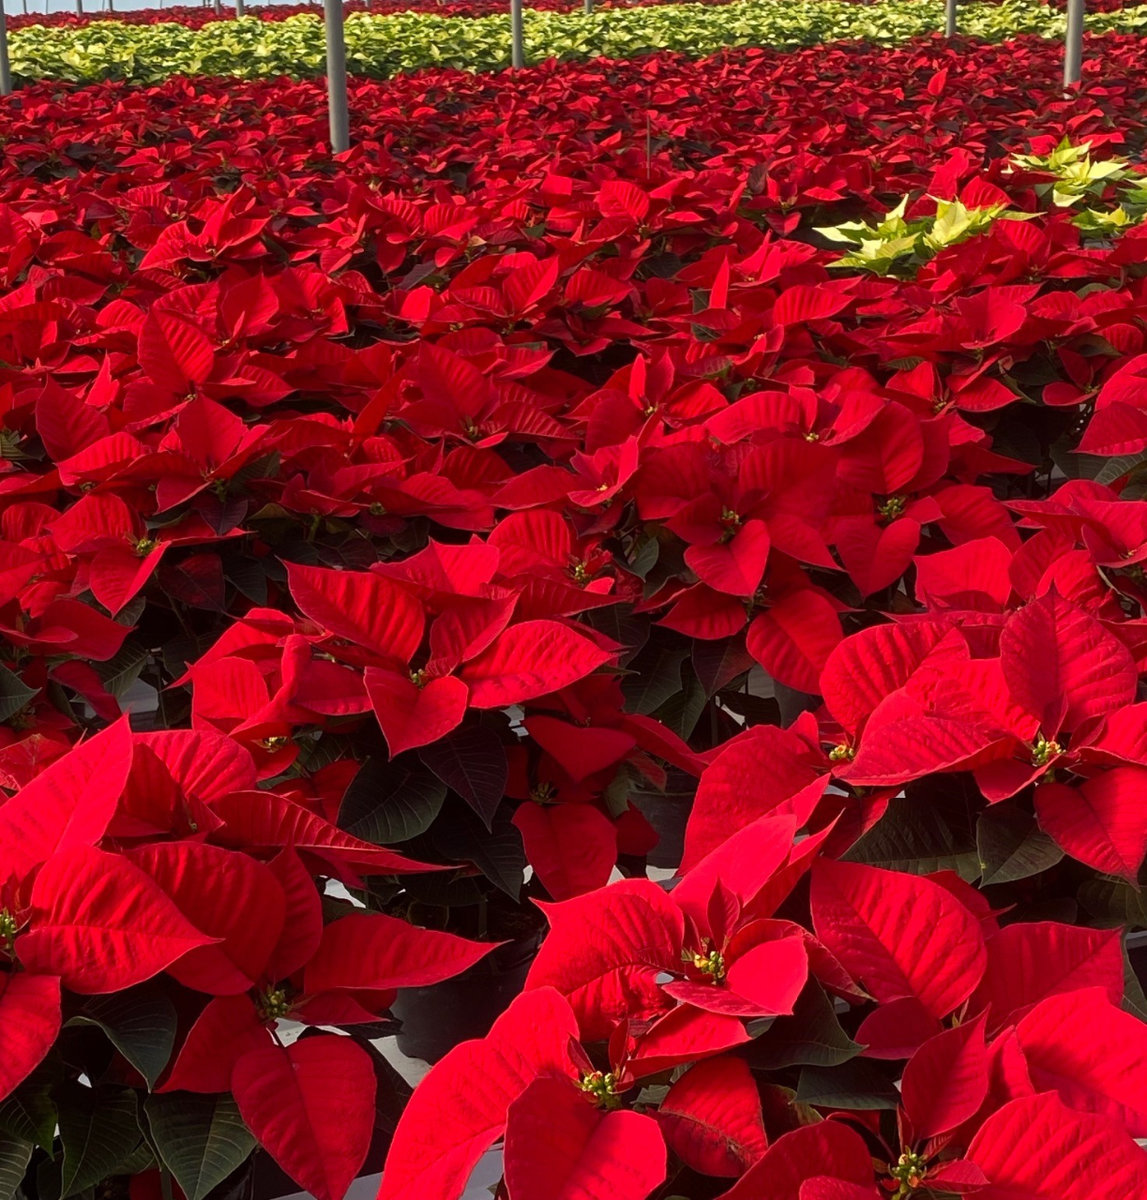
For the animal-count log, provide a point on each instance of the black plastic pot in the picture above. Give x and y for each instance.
(436, 1018)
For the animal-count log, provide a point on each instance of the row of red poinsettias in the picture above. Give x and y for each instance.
(453, 512)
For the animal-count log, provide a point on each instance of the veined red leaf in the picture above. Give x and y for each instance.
(227, 1028)
(366, 609)
(712, 1118)
(102, 924)
(1029, 962)
(29, 1024)
(226, 894)
(899, 935)
(572, 847)
(1062, 666)
(450, 1122)
(605, 950)
(1037, 1148)
(1102, 1072)
(530, 660)
(411, 715)
(829, 1148)
(766, 771)
(269, 821)
(311, 1105)
(559, 1146)
(374, 952)
(946, 1080)
(70, 803)
(873, 663)
(1102, 822)
(174, 353)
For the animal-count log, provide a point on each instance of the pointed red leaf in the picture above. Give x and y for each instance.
(1029, 962)
(1102, 822)
(102, 924)
(226, 1029)
(1037, 1148)
(712, 1118)
(828, 1148)
(559, 1146)
(946, 1080)
(793, 639)
(572, 847)
(264, 820)
(605, 950)
(765, 771)
(70, 803)
(311, 1105)
(366, 609)
(1101, 1072)
(374, 952)
(174, 353)
(1062, 666)
(460, 1108)
(898, 935)
(412, 716)
(29, 1024)
(873, 663)
(226, 894)
(530, 660)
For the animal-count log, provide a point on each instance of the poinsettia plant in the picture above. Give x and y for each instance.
(394, 556)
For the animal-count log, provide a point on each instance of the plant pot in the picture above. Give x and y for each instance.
(668, 813)
(436, 1018)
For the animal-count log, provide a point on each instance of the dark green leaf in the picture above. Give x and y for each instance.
(497, 853)
(201, 1139)
(15, 1155)
(682, 711)
(913, 836)
(1012, 846)
(1134, 1000)
(717, 664)
(388, 803)
(98, 1129)
(471, 761)
(120, 672)
(656, 679)
(139, 1022)
(858, 1084)
(812, 1036)
(14, 693)
(29, 1113)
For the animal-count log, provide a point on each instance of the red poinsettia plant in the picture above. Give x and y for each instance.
(398, 561)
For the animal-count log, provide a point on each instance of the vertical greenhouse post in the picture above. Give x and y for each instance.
(336, 76)
(949, 18)
(79, 8)
(1073, 44)
(517, 51)
(218, 6)
(5, 69)
(240, 8)
(588, 7)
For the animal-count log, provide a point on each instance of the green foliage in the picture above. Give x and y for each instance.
(381, 45)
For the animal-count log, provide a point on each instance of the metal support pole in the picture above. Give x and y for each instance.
(5, 69)
(1073, 44)
(218, 7)
(336, 76)
(517, 50)
(79, 8)
(950, 18)
(240, 8)
(588, 7)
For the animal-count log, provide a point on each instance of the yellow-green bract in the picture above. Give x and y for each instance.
(381, 45)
